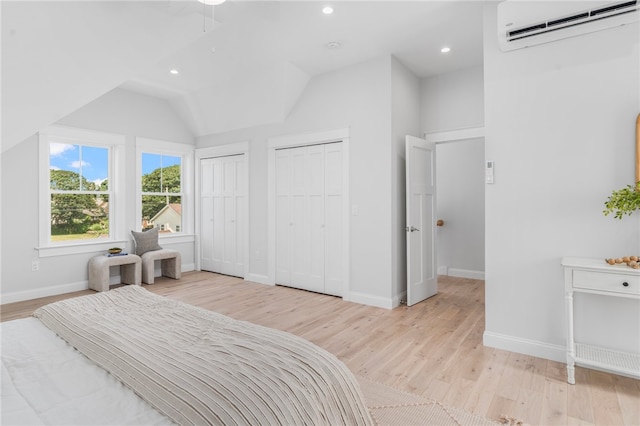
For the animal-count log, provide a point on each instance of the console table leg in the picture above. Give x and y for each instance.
(571, 372)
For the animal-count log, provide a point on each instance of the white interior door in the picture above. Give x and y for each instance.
(222, 212)
(422, 277)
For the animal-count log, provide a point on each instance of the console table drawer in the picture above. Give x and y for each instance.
(602, 281)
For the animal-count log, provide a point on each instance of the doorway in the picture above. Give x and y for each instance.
(461, 206)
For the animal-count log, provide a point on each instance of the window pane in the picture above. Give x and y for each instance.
(79, 217)
(62, 161)
(78, 167)
(95, 168)
(151, 172)
(171, 174)
(160, 173)
(163, 212)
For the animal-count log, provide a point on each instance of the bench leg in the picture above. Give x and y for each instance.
(130, 273)
(148, 273)
(99, 278)
(172, 267)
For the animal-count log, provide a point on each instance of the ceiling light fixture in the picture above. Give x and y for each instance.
(333, 45)
(174, 71)
(445, 49)
(212, 2)
(327, 10)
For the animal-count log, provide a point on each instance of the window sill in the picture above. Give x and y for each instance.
(176, 239)
(79, 248)
(103, 246)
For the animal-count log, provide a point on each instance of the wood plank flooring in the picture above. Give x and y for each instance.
(433, 349)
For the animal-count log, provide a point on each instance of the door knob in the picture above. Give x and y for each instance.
(440, 222)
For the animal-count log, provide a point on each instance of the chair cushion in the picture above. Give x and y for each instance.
(146, 241)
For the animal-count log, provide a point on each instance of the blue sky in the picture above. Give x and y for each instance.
(92, 162)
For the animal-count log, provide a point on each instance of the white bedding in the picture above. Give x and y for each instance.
(46, 381)
(199, 367)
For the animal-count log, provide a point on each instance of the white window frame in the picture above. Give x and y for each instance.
(117, 176)
(185, 152)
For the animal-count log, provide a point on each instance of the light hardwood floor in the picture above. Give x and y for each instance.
(433, 349)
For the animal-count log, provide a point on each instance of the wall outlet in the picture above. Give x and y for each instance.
(35, 266)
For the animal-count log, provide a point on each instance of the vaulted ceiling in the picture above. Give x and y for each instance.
(245, 67)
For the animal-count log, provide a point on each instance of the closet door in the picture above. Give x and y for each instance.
(284, 222)
(333, 222)
(315, 242)
(206, 215)
(222, 211)
(309, 218)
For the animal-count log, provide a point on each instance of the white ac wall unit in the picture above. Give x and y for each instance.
(528, 23)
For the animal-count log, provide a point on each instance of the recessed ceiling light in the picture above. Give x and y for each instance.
(445, 49)
(174, 71)
(327, 10)
(212, 2)
(333, 45)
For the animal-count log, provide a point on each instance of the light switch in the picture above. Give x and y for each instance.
(354, 210)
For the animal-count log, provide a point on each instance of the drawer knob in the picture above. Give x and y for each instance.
(625, 284)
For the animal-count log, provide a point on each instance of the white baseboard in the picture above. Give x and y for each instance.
(460, 273)
(258, 278)
(367, 299)
(37, 293)
(54, 290)
(525, 346)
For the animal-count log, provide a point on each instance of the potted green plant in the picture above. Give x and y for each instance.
(623, 201)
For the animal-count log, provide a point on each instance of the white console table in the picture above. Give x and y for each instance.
(595, 276)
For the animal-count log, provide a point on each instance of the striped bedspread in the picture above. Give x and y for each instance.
(199, 367)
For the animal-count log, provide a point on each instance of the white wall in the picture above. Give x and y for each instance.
(405, 120)
(119, 112)
(356, 97)
(455, 101)
(128, 113)
(559, 124)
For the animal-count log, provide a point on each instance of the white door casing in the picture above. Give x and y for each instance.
(422, 278)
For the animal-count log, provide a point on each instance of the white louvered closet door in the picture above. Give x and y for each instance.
(309, 218)
(222, 205)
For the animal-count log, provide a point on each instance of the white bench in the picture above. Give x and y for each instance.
(130, 270)
(170, 264)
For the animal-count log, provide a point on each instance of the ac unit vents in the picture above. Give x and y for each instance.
(522, 24)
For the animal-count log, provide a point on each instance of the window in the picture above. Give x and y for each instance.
(163, 186)
(161, 192)
(79, 189)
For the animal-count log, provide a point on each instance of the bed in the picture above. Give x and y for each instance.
(130, 357)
